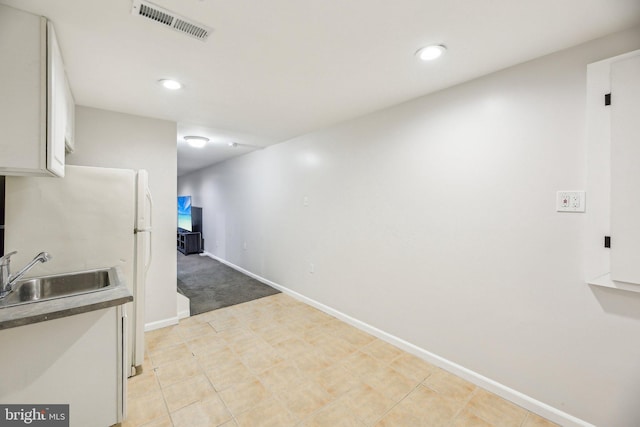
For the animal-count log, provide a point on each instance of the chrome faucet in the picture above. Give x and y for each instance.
(7, 280)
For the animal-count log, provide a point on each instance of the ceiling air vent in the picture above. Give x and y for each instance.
(170, 19)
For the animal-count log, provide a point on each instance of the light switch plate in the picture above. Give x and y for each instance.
(570, 201)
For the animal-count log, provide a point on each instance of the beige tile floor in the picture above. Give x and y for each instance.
(278, 362)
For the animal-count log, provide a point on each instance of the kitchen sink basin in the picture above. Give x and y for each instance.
(59, 286)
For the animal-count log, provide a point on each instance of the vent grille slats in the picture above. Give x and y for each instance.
(170, 19)
(194, 30)
(156, 15)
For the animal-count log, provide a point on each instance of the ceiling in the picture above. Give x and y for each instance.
(276, 69)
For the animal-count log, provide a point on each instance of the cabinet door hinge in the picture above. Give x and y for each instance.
(607, 99)
(607, 241)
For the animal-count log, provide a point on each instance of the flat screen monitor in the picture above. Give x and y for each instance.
(184, 212)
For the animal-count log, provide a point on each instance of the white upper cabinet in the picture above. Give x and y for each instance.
(69, 136)
(613, 165)
(56, 105)
(625, 170)
(36, 106)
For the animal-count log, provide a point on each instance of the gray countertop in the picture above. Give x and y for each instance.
(34, 312)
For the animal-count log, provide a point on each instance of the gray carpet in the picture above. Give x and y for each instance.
(210, 285)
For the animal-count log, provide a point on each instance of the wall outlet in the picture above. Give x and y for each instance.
(570, 201)
(312, 268)
(244, 246)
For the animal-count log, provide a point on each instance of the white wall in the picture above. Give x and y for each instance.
(116, 140)
(435, 221)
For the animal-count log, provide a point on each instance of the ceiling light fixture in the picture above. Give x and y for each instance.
(170, 84)
(232, 144)
(429, 53)
(196, 141)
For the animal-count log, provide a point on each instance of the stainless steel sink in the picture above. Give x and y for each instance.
(59, 286)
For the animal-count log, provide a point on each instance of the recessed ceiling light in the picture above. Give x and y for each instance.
(232, 144)
(170, 84)
(196, 141)
(429, 53)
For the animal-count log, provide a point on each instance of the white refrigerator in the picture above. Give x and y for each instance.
(92, 218)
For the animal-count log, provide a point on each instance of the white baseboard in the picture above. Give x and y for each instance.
(501, 390)
(161, 324)
(183, 306)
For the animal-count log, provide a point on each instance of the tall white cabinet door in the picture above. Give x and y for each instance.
(22, 92)
(625, 170)
(57, 100)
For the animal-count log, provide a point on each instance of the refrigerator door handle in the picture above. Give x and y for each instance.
(144, 202)
(144, 222)
(150, 199)
(146, 267)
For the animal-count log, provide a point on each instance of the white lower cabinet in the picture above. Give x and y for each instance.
(76, 360)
